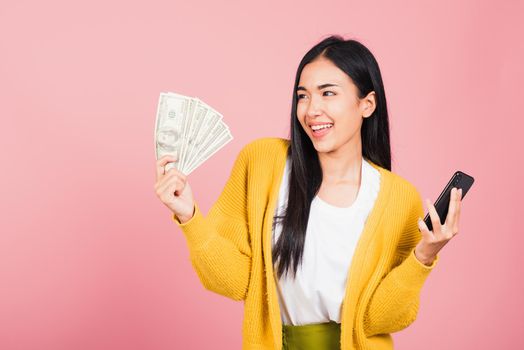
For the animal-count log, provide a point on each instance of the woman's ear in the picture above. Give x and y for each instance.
(369, 104)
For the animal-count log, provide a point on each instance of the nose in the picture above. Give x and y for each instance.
(314, 107)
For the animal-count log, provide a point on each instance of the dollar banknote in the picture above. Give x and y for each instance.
(189, 129)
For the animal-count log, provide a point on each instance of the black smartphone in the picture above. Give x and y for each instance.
(458, 180)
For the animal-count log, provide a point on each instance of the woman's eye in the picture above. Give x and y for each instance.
(301, 96)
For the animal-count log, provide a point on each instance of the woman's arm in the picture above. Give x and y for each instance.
(219, 244)
(394, 304)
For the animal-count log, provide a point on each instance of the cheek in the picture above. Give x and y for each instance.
(344, 112)
(341, 108)
(301, 113)
(300, 110)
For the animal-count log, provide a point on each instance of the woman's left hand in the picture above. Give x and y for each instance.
(433, 241)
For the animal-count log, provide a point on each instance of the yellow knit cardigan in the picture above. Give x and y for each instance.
(230, 250)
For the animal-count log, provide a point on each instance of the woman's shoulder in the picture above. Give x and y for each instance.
(405, 188)
(265, 146)
(268, 143)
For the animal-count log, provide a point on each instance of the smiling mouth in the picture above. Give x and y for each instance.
(320, 127)
(321, 130)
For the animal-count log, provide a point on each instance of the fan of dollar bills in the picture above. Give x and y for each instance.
(189, 129)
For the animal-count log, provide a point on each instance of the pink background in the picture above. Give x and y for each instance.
(89, 257)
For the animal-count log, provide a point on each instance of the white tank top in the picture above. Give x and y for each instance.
(317, 292)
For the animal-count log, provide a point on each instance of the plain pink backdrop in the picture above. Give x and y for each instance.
(89, 257)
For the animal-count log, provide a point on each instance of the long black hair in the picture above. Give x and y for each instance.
(305, 178)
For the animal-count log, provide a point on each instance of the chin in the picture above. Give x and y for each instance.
(323, 147)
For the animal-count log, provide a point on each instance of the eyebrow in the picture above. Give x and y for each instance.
(320, 87)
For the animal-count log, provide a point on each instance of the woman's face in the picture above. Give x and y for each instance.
(327, 98)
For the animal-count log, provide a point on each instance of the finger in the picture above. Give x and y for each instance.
(167, 181)
(179, 173)
(450, 218)
(175, 172)
(168, 178)
(424, 230)
(174, 188)
(457, 215)
(435, 220)
(161, 163)
(171, 189)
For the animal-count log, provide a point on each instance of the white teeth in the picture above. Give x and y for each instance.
(318, 127)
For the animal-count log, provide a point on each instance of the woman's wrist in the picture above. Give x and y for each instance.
(428, 261)
(184, 219)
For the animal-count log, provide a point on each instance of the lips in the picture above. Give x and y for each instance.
(315, 126)
(321, 132)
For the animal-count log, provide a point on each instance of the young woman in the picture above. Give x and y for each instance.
(319, 238)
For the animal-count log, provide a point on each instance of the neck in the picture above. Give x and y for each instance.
(342, 165)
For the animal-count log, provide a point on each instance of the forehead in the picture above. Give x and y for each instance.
(321, 71)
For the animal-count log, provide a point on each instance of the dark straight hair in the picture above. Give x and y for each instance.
(305, 178)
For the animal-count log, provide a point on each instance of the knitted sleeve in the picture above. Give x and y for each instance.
(219, 244)
(394, 304)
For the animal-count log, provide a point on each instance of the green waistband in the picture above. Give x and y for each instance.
(311, 336)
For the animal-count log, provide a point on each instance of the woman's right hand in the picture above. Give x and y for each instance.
(173, 190)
